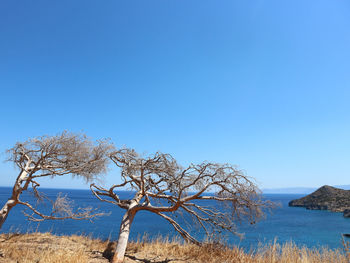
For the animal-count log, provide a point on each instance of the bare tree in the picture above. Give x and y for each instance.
(64, 154)
(163, 187)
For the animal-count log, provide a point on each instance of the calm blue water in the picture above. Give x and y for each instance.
(304, 227)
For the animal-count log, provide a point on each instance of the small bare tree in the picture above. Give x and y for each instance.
(163, 187)
(64, 154)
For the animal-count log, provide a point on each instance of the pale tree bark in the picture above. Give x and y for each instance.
(16, 191)
(4, 212)
(124, 233)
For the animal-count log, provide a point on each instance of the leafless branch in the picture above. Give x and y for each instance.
(163, 187)
(64, 154)
(62, 208)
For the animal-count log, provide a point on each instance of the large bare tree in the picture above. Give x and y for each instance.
(61, 155)
(163, 187)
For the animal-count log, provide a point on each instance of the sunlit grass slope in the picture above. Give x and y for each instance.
(48, 248)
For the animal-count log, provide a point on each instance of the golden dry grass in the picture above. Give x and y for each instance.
(162, 249)
(47, 248)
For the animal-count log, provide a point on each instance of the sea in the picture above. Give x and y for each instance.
(309, 228)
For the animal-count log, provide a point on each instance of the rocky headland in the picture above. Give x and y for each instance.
(326, 198)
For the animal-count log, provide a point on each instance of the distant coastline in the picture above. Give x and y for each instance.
(298, 190)
(287, 190)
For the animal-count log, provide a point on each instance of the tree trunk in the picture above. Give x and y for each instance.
(6, 210)
(123, 237)
(11, 202)
(16, 191)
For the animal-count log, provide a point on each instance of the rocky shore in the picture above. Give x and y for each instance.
(326, 198)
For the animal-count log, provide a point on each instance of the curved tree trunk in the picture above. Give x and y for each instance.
(123, 237)
(16, 191)
(5, 210)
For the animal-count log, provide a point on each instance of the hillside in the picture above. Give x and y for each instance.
(47, 248)
(326, 198)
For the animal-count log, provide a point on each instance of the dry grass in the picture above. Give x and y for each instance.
(162, 250)
(47, 248)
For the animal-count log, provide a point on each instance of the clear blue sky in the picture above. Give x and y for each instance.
(261, 84)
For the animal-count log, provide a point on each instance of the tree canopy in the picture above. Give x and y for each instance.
(163, 187)
(60, 155)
